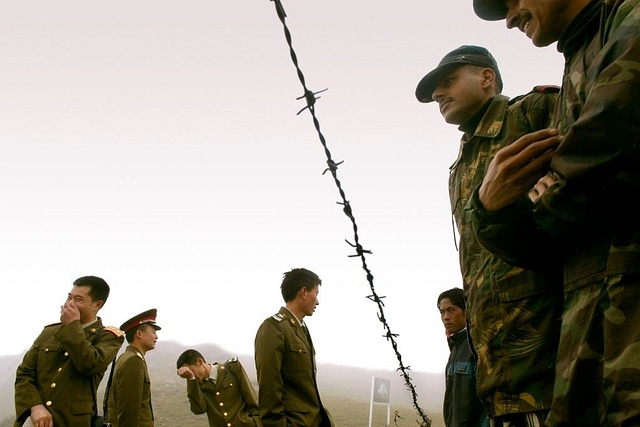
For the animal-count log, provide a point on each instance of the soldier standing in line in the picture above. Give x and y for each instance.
(129, 398)
(57, 381)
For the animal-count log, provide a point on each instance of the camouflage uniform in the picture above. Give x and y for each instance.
(513, 314)
(591, 216)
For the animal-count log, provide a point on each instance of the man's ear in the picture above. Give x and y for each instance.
(303, 292)
(488, 77)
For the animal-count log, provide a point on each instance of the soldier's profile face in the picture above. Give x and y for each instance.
(311, 300)
(459, 93)
(541, 20)
(147, 337)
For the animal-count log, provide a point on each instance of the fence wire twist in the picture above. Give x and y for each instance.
(310, 98)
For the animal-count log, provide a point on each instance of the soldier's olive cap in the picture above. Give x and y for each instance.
(467, 54)
(146, 317)
(490, 10)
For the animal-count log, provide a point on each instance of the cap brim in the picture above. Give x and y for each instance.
(490, 10)
(427, 84)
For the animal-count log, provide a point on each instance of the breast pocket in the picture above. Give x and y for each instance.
(298, 358)
(49, 355)
(462, 368)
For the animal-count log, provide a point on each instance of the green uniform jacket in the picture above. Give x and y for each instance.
(513, 314)
(129, 402)
(62, 370)
(231, 401)
(285, 363)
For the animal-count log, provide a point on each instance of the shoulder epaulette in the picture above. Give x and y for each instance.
(546, 89)
(115, 331)
(536, 89)
(279, 317)
(53, 324)
(233, 359)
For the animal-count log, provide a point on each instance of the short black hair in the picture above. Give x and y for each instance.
(189, 357)
(99, 288)
(456, 296)
(297, 279)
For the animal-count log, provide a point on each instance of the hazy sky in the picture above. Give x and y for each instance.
(156, 144)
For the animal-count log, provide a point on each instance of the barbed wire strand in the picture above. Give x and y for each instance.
(310, 98)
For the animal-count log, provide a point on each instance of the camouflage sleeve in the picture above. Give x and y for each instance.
(596, 163)
(512, 235)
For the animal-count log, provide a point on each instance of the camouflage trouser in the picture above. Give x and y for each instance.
(524, 419)
(598, 371)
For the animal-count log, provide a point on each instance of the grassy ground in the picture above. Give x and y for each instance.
(345, 413)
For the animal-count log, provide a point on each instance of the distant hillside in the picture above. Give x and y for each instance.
(345, 390)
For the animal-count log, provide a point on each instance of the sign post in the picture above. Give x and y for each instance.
(380, 395)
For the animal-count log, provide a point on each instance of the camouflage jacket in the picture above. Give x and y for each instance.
(588, 217)
(513, 314)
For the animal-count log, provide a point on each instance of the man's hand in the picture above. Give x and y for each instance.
(41, 417)
(69, 312)
(187, 373)
(541, 187)
(516, 168)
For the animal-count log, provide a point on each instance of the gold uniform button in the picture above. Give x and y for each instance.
(66, 354)
(222, 367)
(228, 424)
(46, 350)
(53, 385)
(221, 404)
(49, 403)
(59, 369)
(225, 414)
(230, 384)
(217, 393)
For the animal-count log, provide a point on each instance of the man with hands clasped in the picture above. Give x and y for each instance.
(582, 184)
